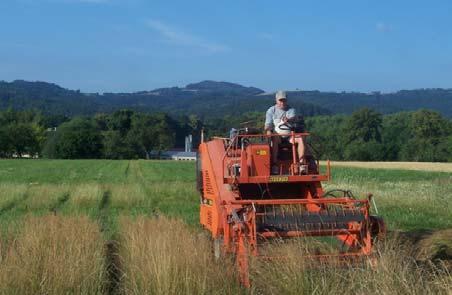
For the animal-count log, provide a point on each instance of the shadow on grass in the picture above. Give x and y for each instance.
(114, 267)
(428, 244)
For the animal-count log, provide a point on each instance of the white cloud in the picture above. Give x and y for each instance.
(383, 27)
(179, 37)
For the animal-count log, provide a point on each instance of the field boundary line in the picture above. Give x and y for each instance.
(105, 201)
(126, 172)
(113, 267)
(154, 202)
(103, 208)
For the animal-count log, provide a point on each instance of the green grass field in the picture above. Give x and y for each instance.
(407, 199)
(108, 197)
(94, 187)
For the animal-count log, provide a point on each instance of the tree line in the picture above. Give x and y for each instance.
(124, 134)
(365, 135)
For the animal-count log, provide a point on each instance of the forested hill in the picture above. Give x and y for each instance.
(210, 99)
(405, 100)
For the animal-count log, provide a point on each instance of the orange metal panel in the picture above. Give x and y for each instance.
(258, 160)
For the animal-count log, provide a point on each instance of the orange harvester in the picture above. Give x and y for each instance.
(243, 205)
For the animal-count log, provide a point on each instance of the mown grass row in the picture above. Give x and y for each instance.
(77, 188)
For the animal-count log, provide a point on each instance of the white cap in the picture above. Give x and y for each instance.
(281, 95)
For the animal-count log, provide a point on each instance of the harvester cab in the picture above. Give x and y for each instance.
(244, 205)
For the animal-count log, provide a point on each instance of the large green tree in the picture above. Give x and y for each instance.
(327, 136)
(76, 139)
(134, 135)
(23, 139)
(121, 121)
(396, 132)
(364, 125)
(20, 133)
(430, 137)
(362, 136)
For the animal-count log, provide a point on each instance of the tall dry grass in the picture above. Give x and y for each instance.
(164, 256)
(394, 272)
(53, 255)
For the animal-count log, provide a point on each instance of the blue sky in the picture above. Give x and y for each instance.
(132, 45)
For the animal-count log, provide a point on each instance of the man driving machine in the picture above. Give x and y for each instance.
(281, 119)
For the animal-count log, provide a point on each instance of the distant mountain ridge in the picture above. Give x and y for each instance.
(213, 99)
(223, 87)
(437, 99)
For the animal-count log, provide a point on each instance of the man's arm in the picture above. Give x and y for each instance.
(268, 127)
(297, 120)
(291, 115)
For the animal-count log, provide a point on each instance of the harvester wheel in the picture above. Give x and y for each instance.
(377, 228)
